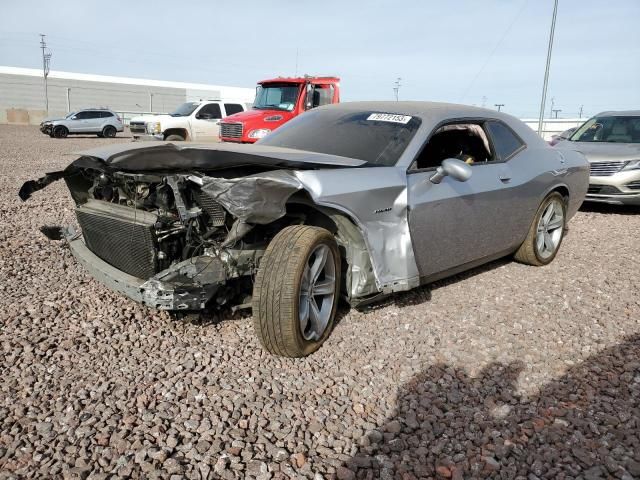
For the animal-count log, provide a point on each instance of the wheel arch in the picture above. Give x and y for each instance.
(176, 131)
(358, 274)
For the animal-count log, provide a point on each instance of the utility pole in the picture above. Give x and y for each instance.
(553, 104)
(546, 70)
(46, 59)
(580, 114)
(498, 105)
(396, 87)
(555, 112)
(484, 101)
(296, 63)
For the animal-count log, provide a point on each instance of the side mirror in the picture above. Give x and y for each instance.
(454, 168)
(74, 117)
(308, 99)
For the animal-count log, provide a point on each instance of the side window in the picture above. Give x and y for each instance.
(232, 108)
(82, 115)
(465, 141)
(105, 114)
(322, 95)
(209, 112)
(92, 114)
(505, 141)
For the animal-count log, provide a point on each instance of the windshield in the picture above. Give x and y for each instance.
(185, 109)
(614, 129)
(378, 138)
(276, 97)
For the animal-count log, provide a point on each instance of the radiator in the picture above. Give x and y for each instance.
(121, 236)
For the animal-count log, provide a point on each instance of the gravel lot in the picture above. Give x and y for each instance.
(508, 371)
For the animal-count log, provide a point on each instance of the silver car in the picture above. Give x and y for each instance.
(611, 143)
(99, 121)
(353, 201)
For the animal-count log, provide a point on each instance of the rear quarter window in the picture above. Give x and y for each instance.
(505, 142)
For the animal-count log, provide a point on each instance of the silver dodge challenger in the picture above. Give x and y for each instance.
(354, 201)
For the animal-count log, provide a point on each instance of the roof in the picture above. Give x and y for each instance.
(306, 78)
(34, 72)
(420, 109)
(433, 113)
(620, 113)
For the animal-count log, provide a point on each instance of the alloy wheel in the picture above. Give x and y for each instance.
(550, 229)
(317, 292)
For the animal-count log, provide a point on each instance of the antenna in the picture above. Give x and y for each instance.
(396, 87)
(46, 60)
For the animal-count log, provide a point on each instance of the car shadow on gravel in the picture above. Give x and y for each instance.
(585, 424)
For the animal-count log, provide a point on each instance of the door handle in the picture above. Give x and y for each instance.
(505, 178)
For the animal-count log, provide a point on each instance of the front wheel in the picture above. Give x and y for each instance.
(296, 291)
(60, 132)
(174, 138)
(546, 232)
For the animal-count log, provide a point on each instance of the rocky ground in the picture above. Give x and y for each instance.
(507, 371)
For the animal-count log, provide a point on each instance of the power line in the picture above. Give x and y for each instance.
(495, 48)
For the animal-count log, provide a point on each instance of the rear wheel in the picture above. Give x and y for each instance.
(546, 232)
(60, 132)
(109, 131)
(296, 291)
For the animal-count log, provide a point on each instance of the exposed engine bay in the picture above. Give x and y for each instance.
(178, 233)
(147, 224)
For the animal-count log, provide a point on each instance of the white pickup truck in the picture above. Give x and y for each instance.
(192, 121)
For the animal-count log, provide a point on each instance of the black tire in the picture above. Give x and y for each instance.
(529, 252)
(109, 131)
(174, 138)
(99, 135)
(277, 290)
(60, 132)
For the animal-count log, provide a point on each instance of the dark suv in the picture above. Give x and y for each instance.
(101, 121)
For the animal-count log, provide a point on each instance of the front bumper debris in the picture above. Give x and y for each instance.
(188, 285)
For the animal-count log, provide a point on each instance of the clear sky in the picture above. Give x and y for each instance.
(466, 51)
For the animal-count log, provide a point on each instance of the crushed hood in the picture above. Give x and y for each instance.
(163, 157)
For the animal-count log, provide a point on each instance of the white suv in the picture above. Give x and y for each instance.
(100, 121)
(194, 121)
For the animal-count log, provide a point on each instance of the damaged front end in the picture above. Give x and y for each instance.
(172, 241)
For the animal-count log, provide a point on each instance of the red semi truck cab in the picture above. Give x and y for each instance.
(277, 101)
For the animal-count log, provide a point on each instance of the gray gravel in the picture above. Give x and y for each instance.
(508, 372)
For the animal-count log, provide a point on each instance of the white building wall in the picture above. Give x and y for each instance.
(22, 94)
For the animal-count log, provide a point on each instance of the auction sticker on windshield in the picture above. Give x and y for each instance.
(389, 117)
